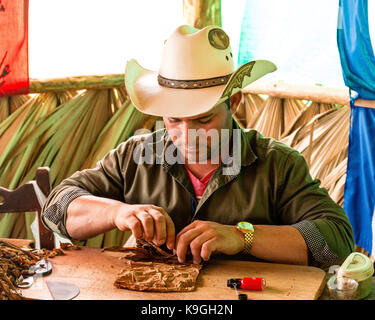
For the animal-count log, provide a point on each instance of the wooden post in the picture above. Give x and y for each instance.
(201, 13)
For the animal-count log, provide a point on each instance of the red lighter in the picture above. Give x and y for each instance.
(247, 283)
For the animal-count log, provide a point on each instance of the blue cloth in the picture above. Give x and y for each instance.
(355, 48)
(359, 194)
(358, 67)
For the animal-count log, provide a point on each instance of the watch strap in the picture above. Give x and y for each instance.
(249, 236)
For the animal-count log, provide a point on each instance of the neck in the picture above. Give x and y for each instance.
(200, 170)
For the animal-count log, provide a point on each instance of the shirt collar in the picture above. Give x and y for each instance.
(247, 153)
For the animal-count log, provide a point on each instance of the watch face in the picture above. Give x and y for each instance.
(247, 226)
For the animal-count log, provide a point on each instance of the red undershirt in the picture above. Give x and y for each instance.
(200, 185)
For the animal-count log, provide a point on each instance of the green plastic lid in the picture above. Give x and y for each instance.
(357, 266)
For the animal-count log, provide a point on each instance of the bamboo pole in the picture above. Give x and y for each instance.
(315, 93)
(300, 92)
(77, 83)
(365, 103)
(201, 13)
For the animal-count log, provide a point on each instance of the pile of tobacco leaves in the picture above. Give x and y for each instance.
(15, 263)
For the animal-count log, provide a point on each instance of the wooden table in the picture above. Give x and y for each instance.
(94, 272)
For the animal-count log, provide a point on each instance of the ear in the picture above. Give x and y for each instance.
(235, 101)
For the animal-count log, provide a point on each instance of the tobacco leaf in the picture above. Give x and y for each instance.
(15, 263)
(149, 268)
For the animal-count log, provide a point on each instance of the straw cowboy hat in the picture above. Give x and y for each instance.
(196, 73)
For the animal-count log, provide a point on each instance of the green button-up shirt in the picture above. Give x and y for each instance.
(271, 185)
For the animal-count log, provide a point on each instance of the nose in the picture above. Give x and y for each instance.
(183, 132)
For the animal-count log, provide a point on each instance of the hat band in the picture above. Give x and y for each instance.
(193, 84)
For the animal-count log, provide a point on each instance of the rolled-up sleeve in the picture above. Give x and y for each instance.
(308, 207)
(105, 180)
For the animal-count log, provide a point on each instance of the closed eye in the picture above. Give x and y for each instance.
(204, 121)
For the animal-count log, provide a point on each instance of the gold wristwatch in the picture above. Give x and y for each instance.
(248, 230)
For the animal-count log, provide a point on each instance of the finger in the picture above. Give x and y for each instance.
(190, 226)
(208, 248)
(197, 244)
(135, 226)
(183, 243)
(147, 224)
(160, 226)
(169, 228)
(170, 232)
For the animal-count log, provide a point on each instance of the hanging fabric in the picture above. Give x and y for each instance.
(358, 68)
(14, 64)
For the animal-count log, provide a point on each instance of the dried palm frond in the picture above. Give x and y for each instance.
(10, 104)
(275, 115)
(245, 111)
(12, 161)
(117, 98)
(17, 101)
(304, 130)
(269, 119)
(61, 139)
(334, 182)
(323, 141)
(9, 126)
(292, 109)
(306, 115)
(65, 96)
(120, 127)
(69, 133)
(4, 108)
(122, 94)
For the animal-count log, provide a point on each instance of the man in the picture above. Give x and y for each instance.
(238, 193)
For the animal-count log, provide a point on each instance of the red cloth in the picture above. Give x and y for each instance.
(200, 185)
(14, 56)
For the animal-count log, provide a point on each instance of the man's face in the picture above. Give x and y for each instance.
(199, 136)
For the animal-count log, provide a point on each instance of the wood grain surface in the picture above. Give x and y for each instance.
(95, 271)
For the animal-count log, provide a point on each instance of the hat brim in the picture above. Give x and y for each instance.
(151, 98)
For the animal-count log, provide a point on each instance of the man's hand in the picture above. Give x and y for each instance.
(206, 237)
(146, 222)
